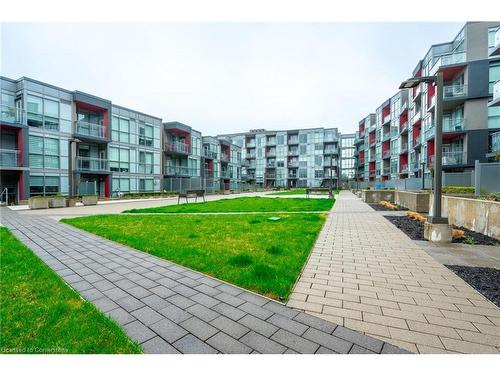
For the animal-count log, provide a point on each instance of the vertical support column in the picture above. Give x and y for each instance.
(107, 186)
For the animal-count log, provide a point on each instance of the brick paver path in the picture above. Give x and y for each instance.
(366, 274)
(169, 309)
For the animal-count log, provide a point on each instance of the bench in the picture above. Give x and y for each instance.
(319, 190)
(191, 194)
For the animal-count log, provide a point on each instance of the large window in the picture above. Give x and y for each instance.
(494, 75)
(494, 117)
(146, 184)
(43, 112)
(120, 129)
(44, 185)
(146, 135)
(43, 152)
(119, 159)
(145, 162)
(120, 185)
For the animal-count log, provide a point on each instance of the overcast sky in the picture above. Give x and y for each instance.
(227, 77)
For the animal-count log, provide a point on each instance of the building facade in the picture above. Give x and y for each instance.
(347, 158)
(56, 141)
(397, 141)
(289, 158)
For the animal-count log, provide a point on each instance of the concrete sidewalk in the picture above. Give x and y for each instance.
(367, 275)
(172, 309)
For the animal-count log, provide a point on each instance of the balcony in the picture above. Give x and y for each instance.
(403, 168)
(404, 148)
(386, 154)
(330, 150)
(250, 144)
(270, 176)
(454, 92)
(495, 51)
(293, 165)
(174, 170)
(12, 115)
(224, 173)
(448, 59)
(452, 125)
(495, 145)
(371, 174)
(403, 128)
(85, 164)
(294, 152)
(386, 136)
(496, 95)
(450, 158)
(250, 156)
(386, 171)
(176, 147)
(386, 119)
(361, 161)
(417, 116)
(271, 154)
(417, 141)
(372, 142)
(403, 108)
(293, 140)
(209, 154)
(371, 158)
(224, 158)
(88, 129)
(10, 158)
(271, 165)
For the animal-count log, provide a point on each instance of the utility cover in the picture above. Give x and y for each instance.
(274, 218)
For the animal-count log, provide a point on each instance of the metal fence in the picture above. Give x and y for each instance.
(487, 178)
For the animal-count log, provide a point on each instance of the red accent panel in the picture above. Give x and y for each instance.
(105, 123)
(403, 159)
(386, 146)
(403, 117)
(386, 111)
(107, 186)
(371, 137)
(89, 107)
(20, 147)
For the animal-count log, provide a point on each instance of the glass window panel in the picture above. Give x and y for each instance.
(50, 108)
(114, 153)
(51, 146)
(36, 144)
(124, 154)
(36, 161)
(65, 110)
(51, 161)
(34, 104)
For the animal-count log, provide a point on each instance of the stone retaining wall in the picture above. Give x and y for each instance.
(413, 200)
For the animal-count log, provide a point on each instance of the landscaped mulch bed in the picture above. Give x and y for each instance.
(379, 207)
(485, 280)
(415, 230)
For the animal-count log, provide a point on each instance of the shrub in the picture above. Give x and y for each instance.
(416, 216)
(457, 233)
(458, 189)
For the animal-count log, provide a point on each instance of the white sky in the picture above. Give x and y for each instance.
(227, 77)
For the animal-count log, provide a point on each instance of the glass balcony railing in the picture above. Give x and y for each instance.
(452, 125)
(270, 175)
(404, 148)
(403, 168)
(496, 89)
(386, 154)
(174, 170)
(293, 140)
(224, 157)
(497, 38)
(448, 59)
(451, 158)
(417, 140)
(495, 142)
(90, 129)
(250, 156)
(403, 127)
(386, 170)
(177, 147)
(9, 158)
(12, 115)
(86, 164)
(209, 154)
(386, 136)
(250, 144)
(386, 119)
(454, 91)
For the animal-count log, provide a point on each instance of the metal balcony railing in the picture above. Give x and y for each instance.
(271, 165)
(12, 114)
(454, 91)
(90, 129)
(9, 158)
(178, 147)
(270, 175)
(86, 164)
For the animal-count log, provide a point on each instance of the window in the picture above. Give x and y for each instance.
(120, 129)
(35, 114)
(120, 184)
(494, 117)
(51, 114)
(43, 153)
(119, 159)
(494, 76)
(146, 135)
(40, 185)
(318, 174)
(145, 162)
(302, 138)
(146, 184)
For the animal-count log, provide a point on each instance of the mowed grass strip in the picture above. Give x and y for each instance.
(39, 313)
(245, 204)
(247, 250)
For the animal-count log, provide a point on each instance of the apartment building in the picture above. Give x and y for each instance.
(289, 158)
(56, 141)
(347, 159)
(397, 141)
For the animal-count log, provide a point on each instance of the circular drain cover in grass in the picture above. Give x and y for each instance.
(274, 218)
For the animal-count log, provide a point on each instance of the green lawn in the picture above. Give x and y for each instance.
(298, 192)
(40, 312)
(247, 250)
(247, 204)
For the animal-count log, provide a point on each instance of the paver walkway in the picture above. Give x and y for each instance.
(169, 309)
(366, 274)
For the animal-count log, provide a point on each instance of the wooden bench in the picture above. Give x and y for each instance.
(191, 194)
(319, 190)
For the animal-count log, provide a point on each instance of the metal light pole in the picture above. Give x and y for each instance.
(423, 176)
(438, 154)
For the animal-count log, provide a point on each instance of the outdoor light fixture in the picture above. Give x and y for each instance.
(437, 80)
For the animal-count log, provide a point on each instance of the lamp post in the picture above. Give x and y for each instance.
(437, 80)
(422, 172)
(438, 229)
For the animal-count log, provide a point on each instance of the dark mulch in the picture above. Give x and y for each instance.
(485, 280)
(415, 230)
(379, 207)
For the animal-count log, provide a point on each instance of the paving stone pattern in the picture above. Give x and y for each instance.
(367, 275)
(172, 309)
